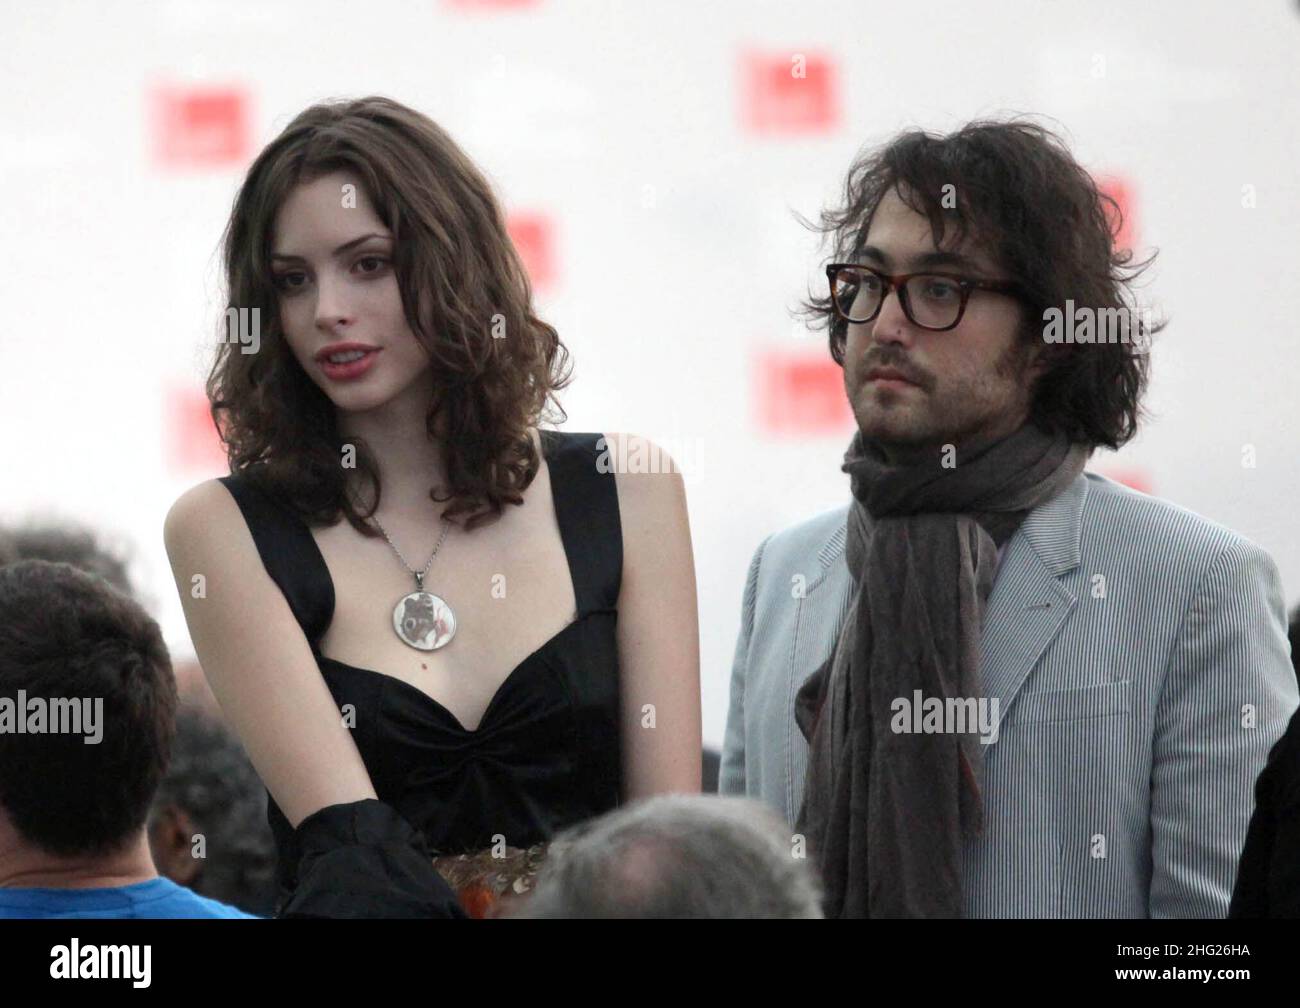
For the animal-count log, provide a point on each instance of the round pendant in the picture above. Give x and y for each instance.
(424, 621)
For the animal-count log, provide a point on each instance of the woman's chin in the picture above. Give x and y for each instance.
(358, 400)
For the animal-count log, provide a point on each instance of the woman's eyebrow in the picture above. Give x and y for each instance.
(345, 247)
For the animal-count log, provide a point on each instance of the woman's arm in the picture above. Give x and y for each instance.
(658, 628)
(257, 659)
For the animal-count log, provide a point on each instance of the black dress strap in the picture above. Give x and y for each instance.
(586, 506)
(292, 560)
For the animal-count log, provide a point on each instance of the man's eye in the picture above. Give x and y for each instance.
(940, 290)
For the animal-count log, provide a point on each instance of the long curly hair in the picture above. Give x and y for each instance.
(1019, 192)
(465, 295)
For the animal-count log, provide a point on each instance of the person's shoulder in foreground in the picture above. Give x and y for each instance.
(156, 898)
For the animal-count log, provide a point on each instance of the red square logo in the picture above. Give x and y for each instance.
(201, 127)
(193, 444)
(790, 93)
(801, 394)
(532, 234)
(1121, 191)
(1135, 479)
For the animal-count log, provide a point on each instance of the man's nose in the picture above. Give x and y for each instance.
(892, 324)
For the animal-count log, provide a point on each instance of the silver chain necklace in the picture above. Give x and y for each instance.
(421, 619)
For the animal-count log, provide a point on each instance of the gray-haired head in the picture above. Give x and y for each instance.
(678, 856)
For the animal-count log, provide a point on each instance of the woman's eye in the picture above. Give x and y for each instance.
(283, 281)
(297, 280)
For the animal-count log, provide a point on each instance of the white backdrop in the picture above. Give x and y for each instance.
(624, 125)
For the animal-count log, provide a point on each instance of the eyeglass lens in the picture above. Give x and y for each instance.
(930, 301)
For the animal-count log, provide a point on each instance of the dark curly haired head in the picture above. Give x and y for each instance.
(462, 285)
(1023, 197)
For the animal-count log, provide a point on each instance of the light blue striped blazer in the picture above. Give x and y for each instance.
(1139, 656)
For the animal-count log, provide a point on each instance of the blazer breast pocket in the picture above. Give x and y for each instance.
(1080, 703)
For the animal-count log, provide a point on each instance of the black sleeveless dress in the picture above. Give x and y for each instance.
(546, 753)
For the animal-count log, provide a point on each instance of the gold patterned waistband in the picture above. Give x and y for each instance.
(492, 881)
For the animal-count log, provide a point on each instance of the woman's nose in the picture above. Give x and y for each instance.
(331, 306)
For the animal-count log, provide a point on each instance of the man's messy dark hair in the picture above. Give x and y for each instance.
(1019, 194)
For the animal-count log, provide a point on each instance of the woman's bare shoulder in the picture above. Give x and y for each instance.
(206, 509)
(651, 490)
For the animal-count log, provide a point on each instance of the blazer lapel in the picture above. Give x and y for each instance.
(823, 609)
(1029, 604)
(818, 618)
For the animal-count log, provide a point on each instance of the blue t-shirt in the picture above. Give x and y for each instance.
(159, 897)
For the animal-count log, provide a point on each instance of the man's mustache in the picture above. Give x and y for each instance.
(897, 362)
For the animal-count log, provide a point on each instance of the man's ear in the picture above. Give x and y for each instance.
(1036, 363)
(171, 834)
(1034, 359)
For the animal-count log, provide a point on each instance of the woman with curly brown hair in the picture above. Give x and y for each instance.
(542, 664)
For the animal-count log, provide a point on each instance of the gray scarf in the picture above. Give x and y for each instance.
(886, 813)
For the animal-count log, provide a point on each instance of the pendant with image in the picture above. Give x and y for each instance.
(424, 621)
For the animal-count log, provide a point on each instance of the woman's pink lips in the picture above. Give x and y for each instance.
(352, 369)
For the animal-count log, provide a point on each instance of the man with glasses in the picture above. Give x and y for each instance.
(995, 684)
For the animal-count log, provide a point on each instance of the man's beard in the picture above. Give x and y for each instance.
(906, 429)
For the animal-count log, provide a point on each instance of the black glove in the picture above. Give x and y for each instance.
(363, 859)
